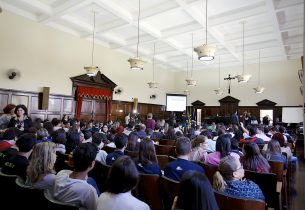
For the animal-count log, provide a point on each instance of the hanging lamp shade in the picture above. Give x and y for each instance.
(206, 52)
(190, 81)
(137, 63)
(259, 88)
(153, 83)
(243, 78)
(92, 70)
(219, 91)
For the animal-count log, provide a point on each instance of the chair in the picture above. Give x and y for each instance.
(226, 202)
(268, 184)
(169, 142)
(169, 190)
(162, 149)
(53, 203)
(209, 171)
(149, 190)
(277, 167)
(172, 152)
(29, 197)
(99, 173)
(60, 162)
(108, 149)
(133, 154)
(162, 161)
(171, 158)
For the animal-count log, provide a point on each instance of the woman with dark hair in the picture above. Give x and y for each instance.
(148, 162)
(50, 128)
(21, 121)
(223, 148)
(229, 180)
(195, 193)
(122, 178)
(170, 134)
(6, 117)
(274, 152)
(253, 160)
(133, 144)
(281, 139)
(73, 140)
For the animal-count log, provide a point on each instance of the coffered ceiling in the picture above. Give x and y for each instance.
(274, 26)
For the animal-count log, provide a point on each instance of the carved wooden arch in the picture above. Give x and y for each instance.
(95, 87)
(228, 105)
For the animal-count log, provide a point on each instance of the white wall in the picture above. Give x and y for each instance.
(47, 57)
(279, 78)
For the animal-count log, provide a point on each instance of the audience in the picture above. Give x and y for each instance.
(199, 149)
(5, 118)
(253, 160)
(148, 162)
(71, 186)
(175, 169)
(120, 141)
(223, 148)
(99, 139)
(274, 153)
(229, 180)
(195, 192)
(21, 121)
(122, 178)
(40, 171)
(17, 164)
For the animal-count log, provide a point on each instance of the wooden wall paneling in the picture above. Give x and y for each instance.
(51, 116)
(35, 116)
(34, 104)
(4, 100)
(55, 104)
(20, 99)
(67, 105)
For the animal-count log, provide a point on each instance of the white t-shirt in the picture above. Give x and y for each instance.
(74, 191)
(121, 201)
(101, 156)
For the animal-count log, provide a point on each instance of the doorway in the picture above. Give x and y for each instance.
(198, 117)
(264, 112)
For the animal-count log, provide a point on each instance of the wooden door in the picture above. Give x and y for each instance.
(94, 110)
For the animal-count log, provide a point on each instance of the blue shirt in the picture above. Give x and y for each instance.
(152, 168)
(175, 169)
(244, 189)
(113, 156)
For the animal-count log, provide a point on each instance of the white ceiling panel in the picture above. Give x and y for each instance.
(274, 26)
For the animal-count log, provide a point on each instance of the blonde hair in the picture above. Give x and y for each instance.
(226, 168)
(42, 161)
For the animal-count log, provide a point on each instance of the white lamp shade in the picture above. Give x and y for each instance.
(219, 91)
(191, 82)
(205, 52)
(259, 89)
(136, 63)
(243, 78)
(91, 70)
(153, 84)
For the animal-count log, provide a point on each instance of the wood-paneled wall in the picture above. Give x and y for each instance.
(60, 105)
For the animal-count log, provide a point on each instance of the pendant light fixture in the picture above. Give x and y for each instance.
(243, 78)
(92, 70)
(186, 91)
(259, 88)
(219, 91)
(190, 81)
(153, 83)
(205, 52)
(136, 63)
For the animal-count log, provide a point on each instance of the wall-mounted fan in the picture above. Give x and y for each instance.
(153, 96)
(118, 91)
(13, 74)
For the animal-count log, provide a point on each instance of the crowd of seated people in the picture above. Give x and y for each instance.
(58, 155)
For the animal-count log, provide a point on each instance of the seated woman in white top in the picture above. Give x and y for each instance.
(122, 178)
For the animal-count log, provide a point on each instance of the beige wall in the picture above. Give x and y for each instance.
(279, 78)
(47, 57)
